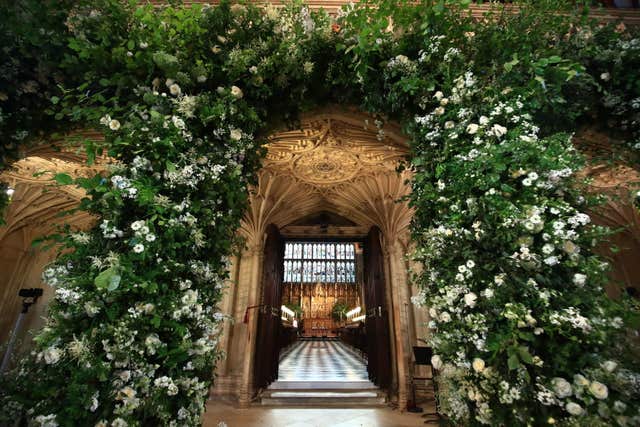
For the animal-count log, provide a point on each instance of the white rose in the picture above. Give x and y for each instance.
(478, 364)
(439, 111)
(609, 366)
(498, 130)
(235, 134)
(569, 247)
(580, 380)
(444, 101)
(599, 390)
(470, 299)
(445, 317)
(175, 90)
(436, 361)
(114, 124)
(574, 409)
(438, 95)
(52, 355)
(449, 124)
(236, 92)
(483, 120)
(579, 279)
(472, 128)
(561, 387)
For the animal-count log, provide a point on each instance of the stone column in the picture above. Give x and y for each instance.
(256, 255)
(399, 304)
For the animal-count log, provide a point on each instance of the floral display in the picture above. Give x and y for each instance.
(522, 331)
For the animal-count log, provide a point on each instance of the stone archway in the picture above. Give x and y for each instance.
(342, 162)
(33, 213)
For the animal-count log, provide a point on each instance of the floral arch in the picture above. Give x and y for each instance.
(185, 97)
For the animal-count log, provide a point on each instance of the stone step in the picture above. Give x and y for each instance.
(321, 385)
(322, 398)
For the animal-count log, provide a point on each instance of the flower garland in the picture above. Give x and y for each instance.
(522, 330)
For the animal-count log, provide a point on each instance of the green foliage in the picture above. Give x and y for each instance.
(185, 97)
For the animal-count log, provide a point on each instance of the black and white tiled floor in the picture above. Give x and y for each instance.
(321, 361)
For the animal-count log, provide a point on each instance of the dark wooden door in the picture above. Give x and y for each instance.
(267, 343)
(377, 320)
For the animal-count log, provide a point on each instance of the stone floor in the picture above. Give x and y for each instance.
(257, 416)
(317, 365)
(325, 360)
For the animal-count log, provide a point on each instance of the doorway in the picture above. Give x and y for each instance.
(323, 322)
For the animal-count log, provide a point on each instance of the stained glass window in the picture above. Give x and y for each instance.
(325, 262)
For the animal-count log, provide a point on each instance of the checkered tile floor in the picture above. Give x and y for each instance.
(321, 361)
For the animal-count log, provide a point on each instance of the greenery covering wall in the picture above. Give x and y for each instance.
(523, 333)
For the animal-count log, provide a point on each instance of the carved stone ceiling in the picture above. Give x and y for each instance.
(328, 151)
(337, 162)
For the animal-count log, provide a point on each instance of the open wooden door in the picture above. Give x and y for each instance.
(267, 335)
(377, 320)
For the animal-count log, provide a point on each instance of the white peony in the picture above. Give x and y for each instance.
(472, 128)
(599, 390)
(478, 364)
(470, 299)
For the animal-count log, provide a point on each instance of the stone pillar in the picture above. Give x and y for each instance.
(399, 303)
(256, 255)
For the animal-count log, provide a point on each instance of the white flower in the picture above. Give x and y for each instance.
(438, 95)
(483, 120)
(472, 128)
(527, 182)
(478, 364)
(470, 299)
(538, 331)
(580, 380)
(137, 225)
(46, 420)
(599, 390)
(579, 279)
(471, 263)
(569, 247)
(138, 248)
(143, 45)
(236, 92)
(445, 317)
(619, 406)
(91, 308)
(574, 409)
(561, 387)
(449, 124)
(605, 76)
(202, 79)
(235, 134)
(175, 90)
(52, 355)
(150, 237)
(436, 361)
(609, 366)
(114, 124)
(439, 111)
(498, 130)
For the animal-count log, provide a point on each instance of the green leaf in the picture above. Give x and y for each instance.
(109, 279)
(63, 179)
(513, 361)
(55, 100)
(525, 356)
